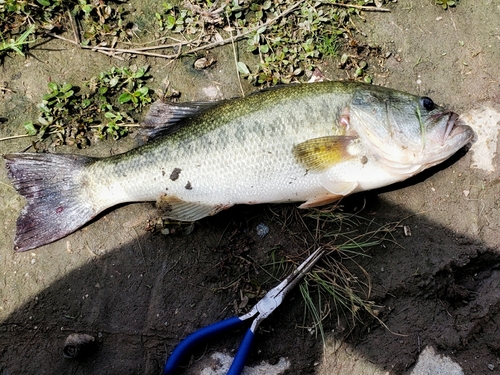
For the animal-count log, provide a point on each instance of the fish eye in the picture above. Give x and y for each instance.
(427, 103)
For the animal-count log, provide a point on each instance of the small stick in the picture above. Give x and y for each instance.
(15, 137)
(75, 33)
(5, 89)
(109, 50)
(361, 7)
(235, 56)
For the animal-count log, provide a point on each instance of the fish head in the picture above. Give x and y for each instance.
(407, 133)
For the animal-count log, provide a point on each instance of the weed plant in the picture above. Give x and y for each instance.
(107, 109)
(338, 287)
(287, 38)
(287, 49)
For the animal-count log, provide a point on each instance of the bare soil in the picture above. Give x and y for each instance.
(140, 292)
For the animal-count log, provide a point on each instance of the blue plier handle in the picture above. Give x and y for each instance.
(261, 311)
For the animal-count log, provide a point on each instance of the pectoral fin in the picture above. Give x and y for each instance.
(318, 154)
(177, 209)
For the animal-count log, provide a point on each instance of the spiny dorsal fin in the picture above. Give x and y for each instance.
(166, 117)
(318, 154)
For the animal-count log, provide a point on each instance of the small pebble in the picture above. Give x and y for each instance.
(262, 230)
(491, 367)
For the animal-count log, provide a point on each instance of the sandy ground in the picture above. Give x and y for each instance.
(139, 293)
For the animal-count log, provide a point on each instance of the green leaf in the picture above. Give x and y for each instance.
(69, 94)
(242, 68)
(170, 22)
(113, 81)
(45, 3)
(50, 96)
(87, 8)
(143, 91)
(85, 103)
(140, 73)
(30, 128)
(44, 121)
(66, 87)
(124, 98)
(53, 86)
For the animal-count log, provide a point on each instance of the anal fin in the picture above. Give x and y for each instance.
(176, 209)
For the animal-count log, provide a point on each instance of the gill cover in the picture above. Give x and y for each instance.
(396, 127)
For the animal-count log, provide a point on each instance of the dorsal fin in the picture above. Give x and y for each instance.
(166, 117)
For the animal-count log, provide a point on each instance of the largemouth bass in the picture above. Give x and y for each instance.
(312, 143)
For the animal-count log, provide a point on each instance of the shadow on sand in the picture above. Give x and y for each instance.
(437, 287)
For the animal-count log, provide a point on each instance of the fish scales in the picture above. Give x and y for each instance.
(228, 153)
(310, 143)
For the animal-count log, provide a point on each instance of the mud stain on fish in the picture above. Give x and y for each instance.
(175, 174)
(163, 203)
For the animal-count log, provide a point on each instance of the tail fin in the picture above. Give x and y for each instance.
(56, 203)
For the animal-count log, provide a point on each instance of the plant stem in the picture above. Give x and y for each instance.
(15, 137)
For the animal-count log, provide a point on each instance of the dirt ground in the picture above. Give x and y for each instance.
(139, 292)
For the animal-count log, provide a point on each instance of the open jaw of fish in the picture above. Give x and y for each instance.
(310, 143)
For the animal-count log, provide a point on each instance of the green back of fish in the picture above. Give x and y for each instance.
(270, 113)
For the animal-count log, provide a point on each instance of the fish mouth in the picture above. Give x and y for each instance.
(455, 128)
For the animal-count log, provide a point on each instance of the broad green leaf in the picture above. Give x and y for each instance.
(114, 81)
(87, 8)
(143, 90)
(53, 86)
(30, 128)
(66, 87)
(242, 68)
(124, 98)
